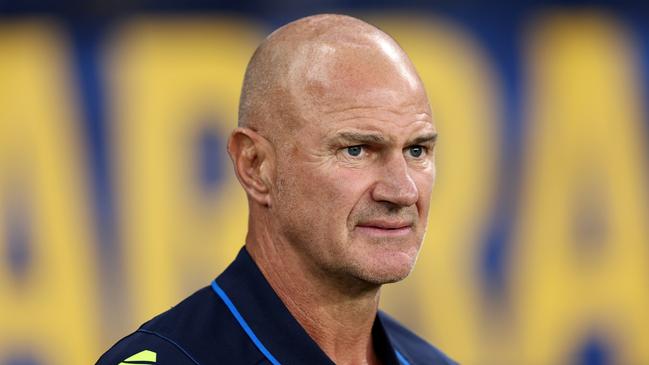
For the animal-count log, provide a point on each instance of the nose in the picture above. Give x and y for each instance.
(395, 185)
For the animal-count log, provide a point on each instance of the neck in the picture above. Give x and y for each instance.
(338, 316)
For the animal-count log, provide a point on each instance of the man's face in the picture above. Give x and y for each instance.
(354, 182)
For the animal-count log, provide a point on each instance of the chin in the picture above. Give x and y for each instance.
(386, 268)
(382, 279)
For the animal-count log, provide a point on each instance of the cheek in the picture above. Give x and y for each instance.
(313, 206)
(333, 192)
(346, 187)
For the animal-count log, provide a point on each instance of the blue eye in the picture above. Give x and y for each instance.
(355, 151)
(416, 151)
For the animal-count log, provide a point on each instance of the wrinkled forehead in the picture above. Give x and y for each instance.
(365, 72)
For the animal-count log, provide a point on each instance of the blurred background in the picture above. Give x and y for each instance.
(117, 199)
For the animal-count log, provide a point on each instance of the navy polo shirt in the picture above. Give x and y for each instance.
(240, 320)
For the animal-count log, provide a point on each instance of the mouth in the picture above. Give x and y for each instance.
(382, 228)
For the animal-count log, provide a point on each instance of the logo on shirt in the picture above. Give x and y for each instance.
(145, 357)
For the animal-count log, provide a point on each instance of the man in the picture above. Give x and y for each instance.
(334, 149)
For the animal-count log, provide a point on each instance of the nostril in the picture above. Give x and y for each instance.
(397, 193)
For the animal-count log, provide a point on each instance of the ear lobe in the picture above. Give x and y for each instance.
(251, 156)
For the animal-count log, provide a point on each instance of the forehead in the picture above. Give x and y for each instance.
(390, 126)
(369, 84)
(393, 115)
(325, 73)
(394, 107)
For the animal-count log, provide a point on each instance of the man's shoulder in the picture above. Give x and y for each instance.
(143, 347)
(413, 348)
(198, 330)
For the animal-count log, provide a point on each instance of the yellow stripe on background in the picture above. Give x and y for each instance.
(582, 259)
(49, 309)
(172, 79)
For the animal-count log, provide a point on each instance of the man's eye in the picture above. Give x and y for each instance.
(416, 151)
(354, 151)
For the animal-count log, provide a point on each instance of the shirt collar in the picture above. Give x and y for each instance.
(273, 324)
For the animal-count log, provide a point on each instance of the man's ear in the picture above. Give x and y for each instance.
(253, 160)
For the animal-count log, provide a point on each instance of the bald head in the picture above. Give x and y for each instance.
(307, 65)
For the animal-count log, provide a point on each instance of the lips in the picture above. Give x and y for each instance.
(385, 224)
(384, 228)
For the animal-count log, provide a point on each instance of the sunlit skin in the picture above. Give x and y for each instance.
(335, 149)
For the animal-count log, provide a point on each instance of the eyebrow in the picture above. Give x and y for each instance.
(378, 139)
(426, 138)
(361, 138)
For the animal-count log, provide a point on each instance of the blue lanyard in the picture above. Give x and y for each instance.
(244, 325)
